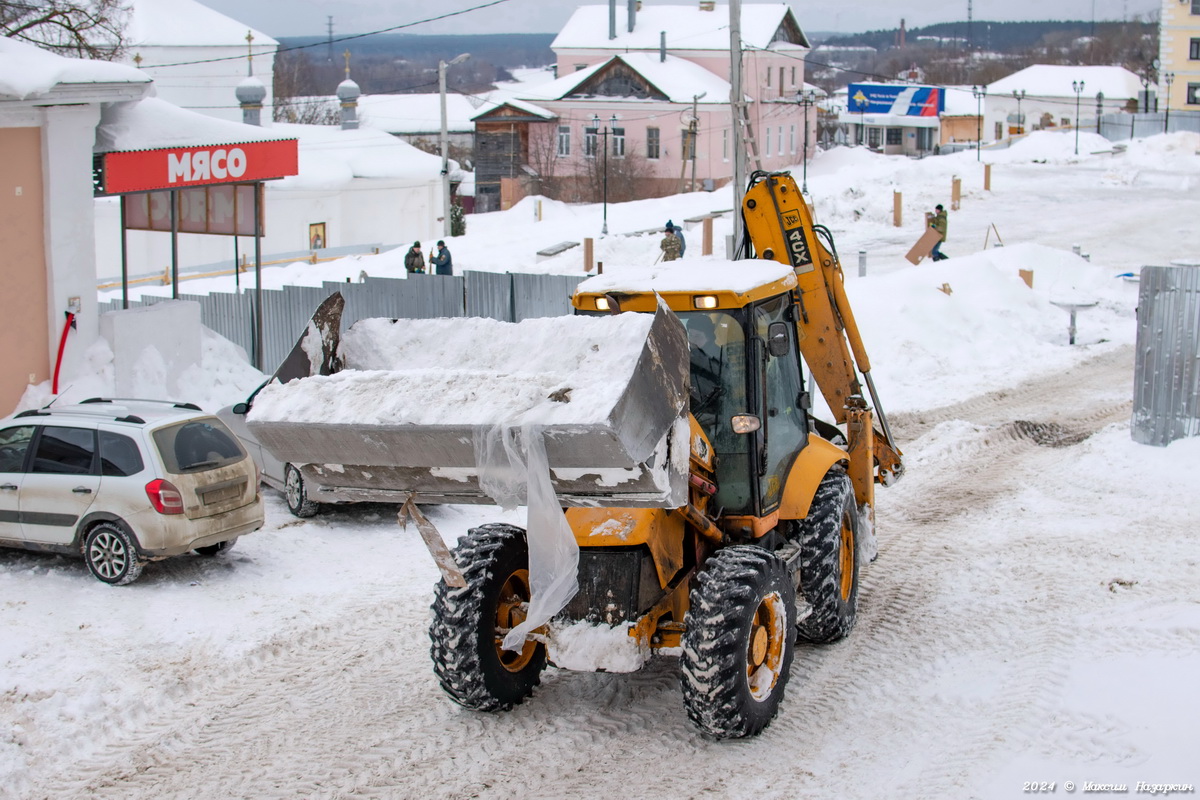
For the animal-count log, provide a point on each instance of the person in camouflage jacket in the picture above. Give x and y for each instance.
(670, 246)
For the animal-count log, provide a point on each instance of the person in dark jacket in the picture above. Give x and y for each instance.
(441, 262)
(413, 260)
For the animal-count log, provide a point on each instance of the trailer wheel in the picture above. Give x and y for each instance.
(296, 493)
(737, 649)
(829, 560)
(469, 623)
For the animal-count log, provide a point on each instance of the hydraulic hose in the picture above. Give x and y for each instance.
(62, 345)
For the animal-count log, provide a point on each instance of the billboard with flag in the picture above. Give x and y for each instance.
(902, 100)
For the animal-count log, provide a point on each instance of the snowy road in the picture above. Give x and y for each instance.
(974, 622)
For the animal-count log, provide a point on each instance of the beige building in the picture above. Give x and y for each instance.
(49, 109)
(1179, 55)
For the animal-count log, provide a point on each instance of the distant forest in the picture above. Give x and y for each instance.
(949, 53)
(399, 63)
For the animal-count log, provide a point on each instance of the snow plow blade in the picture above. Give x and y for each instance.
(415, 399)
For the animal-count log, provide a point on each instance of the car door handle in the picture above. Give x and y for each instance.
(8, 486)
(81, 490)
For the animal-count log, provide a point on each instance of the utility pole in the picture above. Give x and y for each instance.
(692, 135)
(329, 39)
(735, 105)
(446, 142)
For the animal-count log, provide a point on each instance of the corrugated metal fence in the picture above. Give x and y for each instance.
(1118, 127)
(502, 296)
(1166, 387)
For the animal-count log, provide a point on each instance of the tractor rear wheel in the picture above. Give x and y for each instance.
(469, 624)
(737, 649)
(829, 560)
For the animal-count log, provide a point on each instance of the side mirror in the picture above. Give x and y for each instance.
(778, 344)
(241, 409)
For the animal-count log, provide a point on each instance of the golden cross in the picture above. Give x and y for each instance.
(250, 51)
(137, 59)
(346, 55)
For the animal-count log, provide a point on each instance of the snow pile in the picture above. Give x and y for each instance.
(469, 372)
(589, 647)
(929, 348)
(1052, 146)
(224, 377)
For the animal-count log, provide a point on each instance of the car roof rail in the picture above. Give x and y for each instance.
(94, 400)
(134, 418)
(33, 412)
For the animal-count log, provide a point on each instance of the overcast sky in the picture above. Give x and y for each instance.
(309, 17)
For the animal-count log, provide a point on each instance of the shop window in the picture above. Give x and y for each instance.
(895, 136)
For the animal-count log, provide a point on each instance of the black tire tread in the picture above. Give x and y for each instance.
(713, 662)
(820, 567)
(461, 661)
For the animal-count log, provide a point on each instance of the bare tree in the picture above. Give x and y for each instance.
(84, 28)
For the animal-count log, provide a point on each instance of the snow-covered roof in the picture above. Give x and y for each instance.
(416, 113)
(694, 276)
(679, 79)
(1054, 80)
(495, 101)
(152, 123)
(960, 102)
(687, 27)
(331, 157)
(186, 23)
(27, 71)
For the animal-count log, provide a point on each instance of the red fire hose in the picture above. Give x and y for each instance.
(62, 345)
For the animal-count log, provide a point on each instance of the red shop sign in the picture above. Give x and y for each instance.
(179, 167)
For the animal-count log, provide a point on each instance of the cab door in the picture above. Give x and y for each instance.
(785, 421)
(14, 447)
(60, 484)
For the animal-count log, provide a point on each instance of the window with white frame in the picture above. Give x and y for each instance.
(725, 145)
(792, 139)
(1194, 50)
(1196, 6)
(1193, 94)
(779, 141)
(653, 146)
(618, 142)
(793, 77)
(766, 148)
(564, 140)
(589, 142)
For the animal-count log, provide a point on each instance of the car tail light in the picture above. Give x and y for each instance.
(165, 498)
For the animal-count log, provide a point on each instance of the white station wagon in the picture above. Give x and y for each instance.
(123, 482)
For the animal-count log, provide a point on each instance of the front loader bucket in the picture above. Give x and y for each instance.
(415, 397)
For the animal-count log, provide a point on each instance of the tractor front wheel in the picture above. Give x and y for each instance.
(469, 624)
(829, 560)
(737, 650)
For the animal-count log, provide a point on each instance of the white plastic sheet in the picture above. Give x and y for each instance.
(514, 470)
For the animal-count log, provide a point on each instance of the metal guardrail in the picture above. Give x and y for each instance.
(510, 297)
(1166, 386)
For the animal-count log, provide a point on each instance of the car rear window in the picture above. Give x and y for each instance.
(119, 455)
(197, 446)
(14, 442)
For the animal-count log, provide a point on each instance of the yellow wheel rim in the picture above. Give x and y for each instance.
(764, 650)
(510, 612)
(846, 559)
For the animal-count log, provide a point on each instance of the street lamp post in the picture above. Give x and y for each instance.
(1168, 78)
(1077, 87)
(979, 92)
(612, 124)
(446, 141)
(1099, 110)
(806, 98)
(1020, 120)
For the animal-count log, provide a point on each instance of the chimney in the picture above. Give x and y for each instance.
(612, 19)
(662, 46)
(903, 36)
(633, 9)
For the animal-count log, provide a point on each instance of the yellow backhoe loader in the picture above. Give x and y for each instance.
(754, 541)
